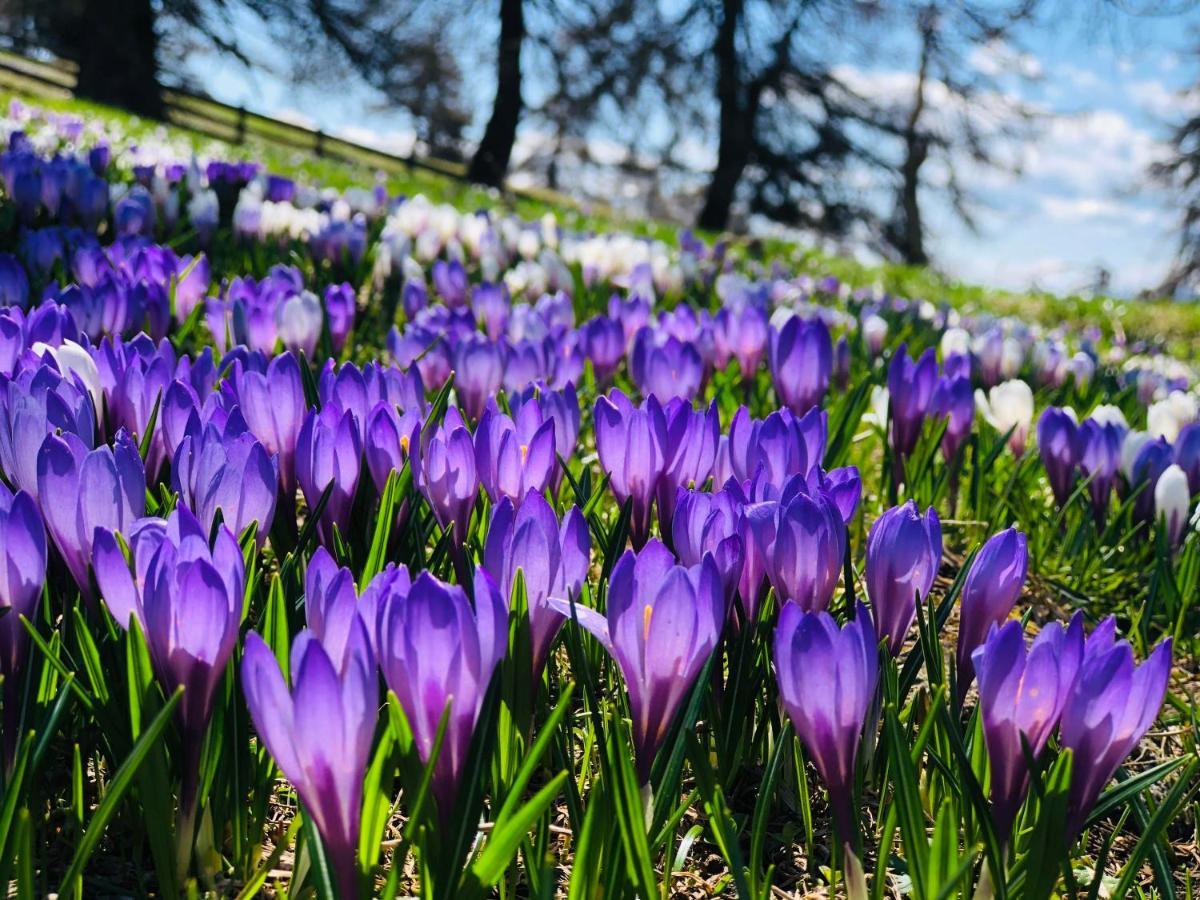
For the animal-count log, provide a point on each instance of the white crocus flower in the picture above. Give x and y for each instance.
(1171, 501)
(1166, 417)
(1132, 445)
(74, 360)
(1008, 405)
(1107, 414)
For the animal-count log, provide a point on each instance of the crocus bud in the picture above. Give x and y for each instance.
(603, 342)
(14, 283)
(1152, 459)
(437, 650)
(801, 359)
(552, 558)
(22, 573)
(1021, 697)
(874, 332)
(1058, 445)
(339, 310)
(1112, 704)
(827, 681)
(953, 400)
(808, 553)
(1171, 501)
(904, 551)
(841, 363)
(691, 449)
(478, 371)
(1187, 454)
(298, 322)
(662, 624)
(632, 444)
(910, 392)
(329, 451)
(708, 523)
(1099, 457)
(1008, 406)
(273, 406)
(450, 281)
(448, 477)
(988, 595)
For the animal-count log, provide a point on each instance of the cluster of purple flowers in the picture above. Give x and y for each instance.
(158, 477)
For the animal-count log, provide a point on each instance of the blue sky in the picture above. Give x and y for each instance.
(1078, 202)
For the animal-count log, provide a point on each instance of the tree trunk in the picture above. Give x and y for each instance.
(736, 124)
(916, 151)
(116, 48)
(490, 163)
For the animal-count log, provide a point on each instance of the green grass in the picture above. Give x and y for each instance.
(1174, 325)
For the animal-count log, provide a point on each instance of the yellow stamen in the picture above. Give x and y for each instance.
(524, 452)
(404, 439)
(646, 613)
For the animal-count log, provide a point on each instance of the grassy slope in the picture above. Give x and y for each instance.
(1177, 325)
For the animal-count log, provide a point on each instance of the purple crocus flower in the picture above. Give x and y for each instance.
(1111, 706)
(954, 400)
(514, 458)
(81, 490)
(632, 444)
(667, 370)
(339, 311)
(988, 595)
(35, 403)
(809, 549)
(320, 731)
(1021, 697)
(910, 392)
(552, 558)
(22, 573)
(187, 597)
(563, 407)
(1187, 454)
(708, 523)
(436, 650)
(329, 450)
(226, 470)
(1058, 444)
(801, 358)
(273, 406)
(1151, 461)
(447, 475)
(603, 342)
(756, 529)
(450, 281)
(478, 372)
(1099, 459)
(491, 305)
(662, 624)
(904, 551)
(827, 681)
(389, 438)
(743, 331)
(780, 446)
(691, 449)
(14, 283)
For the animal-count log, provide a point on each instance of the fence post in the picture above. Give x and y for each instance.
(241, 125)
(319, 149)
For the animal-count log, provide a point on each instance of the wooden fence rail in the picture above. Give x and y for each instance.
(235, 124)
